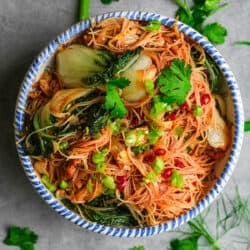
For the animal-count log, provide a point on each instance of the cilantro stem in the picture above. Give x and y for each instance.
(198, 226)
(247, 126)
(184, 6)
(242, 43)
(84, 9)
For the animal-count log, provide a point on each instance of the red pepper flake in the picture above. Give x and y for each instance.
(160, 151)
(205, 99)
(121, 182)
(184, 106)
(206, 73)
(178, 163)
(171, 116)
(167, 173)
(188, 199)
(194, 183)
(135, 121)
(149, 158)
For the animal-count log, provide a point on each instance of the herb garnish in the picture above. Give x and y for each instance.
(242, 43)
(21, 237)
(175, 83)
(247, 126)
(113, 101)
(196, 16)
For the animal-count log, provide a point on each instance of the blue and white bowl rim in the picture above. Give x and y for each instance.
(38, 65)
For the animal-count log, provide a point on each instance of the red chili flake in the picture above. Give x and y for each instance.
(76, 161)
(194, 183)
(206, 73)
(167, 173)
(205, 99)
(188, 199)
(121, 182)
(135, 121)
(149, 158)
(184, 106)
(171, 116)
(160, 151)
(178, 163)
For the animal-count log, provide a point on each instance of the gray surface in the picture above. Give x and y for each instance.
(26, 26)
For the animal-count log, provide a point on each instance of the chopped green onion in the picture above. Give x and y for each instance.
(153, 136)
(50, 186)
(149, 85)
(158, 165)
(64, 146)
(63, 184)
(177, 179)
(84, 9)
(179, 131)
(130, 139)
(153, 25)
(116, 127)
(96, 135)
(101, 167)
(108, 182)
(90, 186)
(140, 149)
(151, 177)
(197, 110)
(99, 159)
(247, 126)
(159, 107)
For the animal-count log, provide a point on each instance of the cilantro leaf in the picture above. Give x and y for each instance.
(22, 237)
(185, 18)
(211, 4)
(113, 100)
(121, 82)
(175, 83)
(197, 15)
(190, 243)
(215, 33)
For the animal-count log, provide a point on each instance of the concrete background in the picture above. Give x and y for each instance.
(26, 26)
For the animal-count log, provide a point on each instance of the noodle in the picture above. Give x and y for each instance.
(149, 202)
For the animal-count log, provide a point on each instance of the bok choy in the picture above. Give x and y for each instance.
(77, 63)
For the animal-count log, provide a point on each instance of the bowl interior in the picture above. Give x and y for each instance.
(225, 167)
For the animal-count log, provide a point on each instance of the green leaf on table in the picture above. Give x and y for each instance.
(21, 237)
(190, 243)
(215, 33)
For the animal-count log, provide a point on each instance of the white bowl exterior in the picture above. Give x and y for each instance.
(35, 71)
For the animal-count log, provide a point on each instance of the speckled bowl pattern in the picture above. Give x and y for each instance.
(35, 71)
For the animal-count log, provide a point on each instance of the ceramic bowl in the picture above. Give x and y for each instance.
(236, 116)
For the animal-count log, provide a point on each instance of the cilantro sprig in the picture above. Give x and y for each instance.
(21, 237)
(174, 82)
(113, 101)
(197, 15)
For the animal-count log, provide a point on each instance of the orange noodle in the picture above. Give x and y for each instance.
(104, 164)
